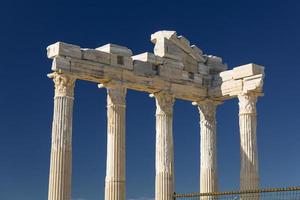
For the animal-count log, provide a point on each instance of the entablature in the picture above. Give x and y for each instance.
(175, 67)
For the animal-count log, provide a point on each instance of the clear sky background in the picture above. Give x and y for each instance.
(263, 32)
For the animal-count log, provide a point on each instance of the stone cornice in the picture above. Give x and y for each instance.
(175, 66)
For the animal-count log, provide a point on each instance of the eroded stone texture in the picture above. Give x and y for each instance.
(175, 69)
(249, 159)
(61, 145)
(164, 157)
(208, 147)
(115, 164)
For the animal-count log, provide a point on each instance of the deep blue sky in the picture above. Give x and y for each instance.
(263, 32)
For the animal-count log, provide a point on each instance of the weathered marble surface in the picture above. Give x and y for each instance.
(249, 174)
(164, 156)
(208, 147)
(116, 156)
(175, 66)
(61, 145)
(175, 69)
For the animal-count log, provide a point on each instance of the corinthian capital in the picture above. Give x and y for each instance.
(247, 103)
(64, 84)
(116, 96)
(164, 103)
(207, 109)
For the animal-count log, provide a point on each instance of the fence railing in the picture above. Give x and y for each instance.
(290, 193)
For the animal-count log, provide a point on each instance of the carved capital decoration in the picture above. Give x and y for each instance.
(247, 103)
(116, 96)
(64, 84)
(164, 103)
(207, 110)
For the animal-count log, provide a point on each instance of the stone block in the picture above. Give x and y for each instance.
(143, 68)
(121, 61)
(247, 70)
(63, 49)
(166, 49)
(173, 63)
(170, 72)
(190, 64)
(232, 88)
(198, 78)
(116, 49)
(216, 80)
(148, 57)
(215, 64)
(226, 75)
(196, 53)
(253, 83)
(60, 63)
(95, 55)
(163, 34)
(203, 69)
(196, 50)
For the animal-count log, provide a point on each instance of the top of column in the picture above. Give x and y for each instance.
(247, 103)
(64, 84)
(164, 103)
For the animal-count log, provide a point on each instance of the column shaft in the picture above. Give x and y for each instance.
(164, 158)
(208, 147)
(115, 165)
(249, 176)
(61, 146)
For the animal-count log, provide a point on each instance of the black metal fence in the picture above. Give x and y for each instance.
(291, 193)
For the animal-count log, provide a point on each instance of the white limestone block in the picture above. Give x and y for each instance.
(63, 49)
(232, 88)
(247, 70)
(163, 34)
(148, 57)
(116, 49)
(253, 83)
(143, 68)
(165, 48)
(95, 55)
(226, 75)
(60, 63)
(179, 41)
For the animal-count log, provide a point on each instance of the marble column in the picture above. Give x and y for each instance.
(208, 146)
(164, 157)
(115, 164)
(249, 176)
(61, 145)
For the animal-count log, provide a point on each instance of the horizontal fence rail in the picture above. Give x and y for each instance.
(290, 193)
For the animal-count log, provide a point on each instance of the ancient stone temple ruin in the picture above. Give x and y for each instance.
(175, 69)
